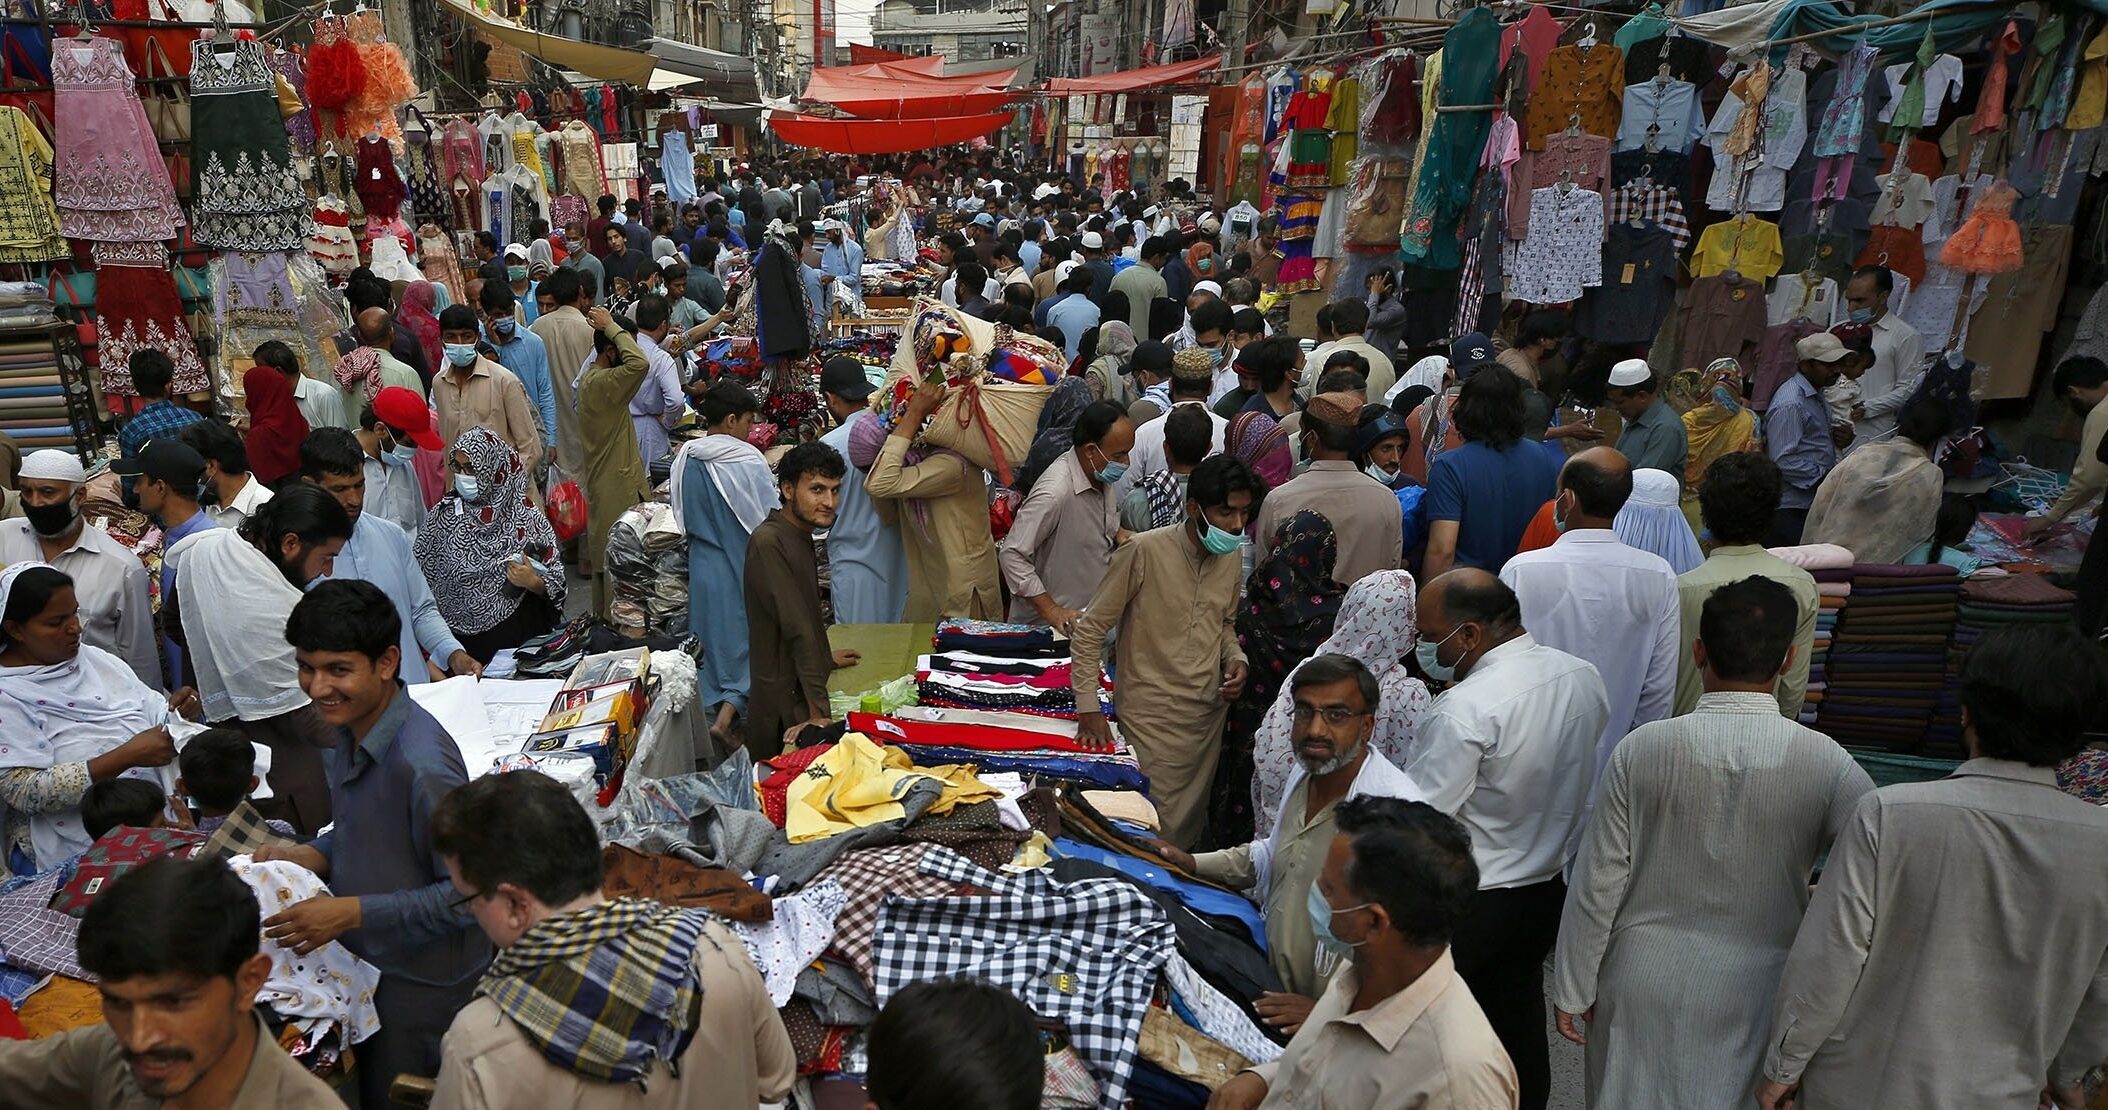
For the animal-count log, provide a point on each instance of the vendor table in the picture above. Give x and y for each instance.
(889, 651)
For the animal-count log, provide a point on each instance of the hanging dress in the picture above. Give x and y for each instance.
(111, 181)
(677, 162)
(379, 184)
(245, 194)
(29, 223)
(1455, 144)
(300, 126)
(581, 155)
(420, 163)
(137, 308)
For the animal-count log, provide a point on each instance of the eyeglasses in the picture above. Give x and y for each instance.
(461, 903)
(1333, 714)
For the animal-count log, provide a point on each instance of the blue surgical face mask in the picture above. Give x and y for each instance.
(467, 486)
(402, 454)
(504, 326)
(1112, 471)
(1217, 541)
(1321, 914)
(1862, 315)
(461, 354)
(1380, 474)
(1427, 654)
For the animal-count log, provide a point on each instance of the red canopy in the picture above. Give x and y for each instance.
(862, 54)
(1135, 80)
(881, 136)
(911, 89)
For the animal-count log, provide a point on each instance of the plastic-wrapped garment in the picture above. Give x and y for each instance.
(648, 564)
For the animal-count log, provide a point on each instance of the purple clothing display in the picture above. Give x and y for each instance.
(111, 184)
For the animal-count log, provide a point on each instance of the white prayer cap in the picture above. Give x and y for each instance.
(54, 465)
(1631, 372)
(1207, 287)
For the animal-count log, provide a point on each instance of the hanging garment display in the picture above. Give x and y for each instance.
(245, 195)
(111, 182)
(377, 180)
(335, 75)
(582, 176)
(440, 264)
(29, 223)
(677, 165)
(300, 126)
(1583, 87)
(388, 82)
(420, 165)
(330, 241)
(461, 151)
(1455, 142)
(137, 309)
(1564, 252)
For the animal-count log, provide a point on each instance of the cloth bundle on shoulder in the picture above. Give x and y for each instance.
(986, 418)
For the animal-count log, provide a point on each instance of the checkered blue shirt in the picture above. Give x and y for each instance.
(161, 418)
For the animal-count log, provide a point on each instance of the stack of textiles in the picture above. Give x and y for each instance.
(1017, 742)
(1831, 566)
(1888, 661)
(965, 680)
(1988, 604)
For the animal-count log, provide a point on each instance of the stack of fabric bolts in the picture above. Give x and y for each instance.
(1988, 604)
(1888, 662)
(1834, 585)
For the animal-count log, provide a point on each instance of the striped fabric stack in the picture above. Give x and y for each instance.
(1835, 585)
(1989, 604)
(1888, 662)
(32, 394)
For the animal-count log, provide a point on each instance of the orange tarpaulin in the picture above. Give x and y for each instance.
(911, 89)
(1135, 80)
(881, 136)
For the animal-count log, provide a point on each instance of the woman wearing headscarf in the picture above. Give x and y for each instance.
(1653, 520)
(276, 427)
(1431, 430)
(419, 315)
(1717, 423)
(1884, 498)
(72, 714)
(1258, 439)
(1376, 625)
(1290, 602)
(1107, 373)
(489, 553)
(1057, 426)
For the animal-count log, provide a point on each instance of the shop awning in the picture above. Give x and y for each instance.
(1135, 80)
(880, 136)
(727, 75)
(913, 89)
(865, 54)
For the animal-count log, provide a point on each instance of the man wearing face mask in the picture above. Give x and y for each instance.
(1064, 534)
(1336, 703)
(476, 392)
(1172, 594)
(1899, 354)
(1379, 446)
(519, 277)
(108, 579)
(521, 351)
(1510, 751)
(1397, 1026)
(390, 430)
(227, 608)
(1363, 511)
(1592, 595)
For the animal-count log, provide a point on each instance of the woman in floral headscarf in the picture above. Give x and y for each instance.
(1717, 423)
(1377, 625)
(488, 552)
(1289, 605)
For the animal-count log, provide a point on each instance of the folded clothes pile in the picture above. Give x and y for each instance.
(965, 680)
(1887, 663)
(1989, 604)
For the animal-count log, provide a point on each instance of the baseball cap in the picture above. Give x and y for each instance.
(1821, 347)
(1062, 272)
(402, 410)
(167, 459)
(844, 377)
(516, 251)
(984, 220)
(1469, 350)
(1092, 241)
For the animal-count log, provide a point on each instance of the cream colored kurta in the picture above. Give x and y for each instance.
(1175, 606)
(1733, 564)
(492, 397)
(943, 513)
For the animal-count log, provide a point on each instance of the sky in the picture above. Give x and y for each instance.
(853, 20)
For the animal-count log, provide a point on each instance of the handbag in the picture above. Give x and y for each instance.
(192, 284)
(116, 852)
(179, 175)
(167, 102)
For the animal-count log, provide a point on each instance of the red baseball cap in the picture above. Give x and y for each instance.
(402, 410)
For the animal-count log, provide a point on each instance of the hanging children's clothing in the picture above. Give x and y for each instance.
(245, 194)
(111, 183)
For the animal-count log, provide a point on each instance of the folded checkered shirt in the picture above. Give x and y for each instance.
(35, 937)
(1086, 954)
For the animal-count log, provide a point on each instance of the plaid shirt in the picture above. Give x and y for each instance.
(1638, 200)
(35, 937)
(161, 418)
(1086, 954)
(241, 833)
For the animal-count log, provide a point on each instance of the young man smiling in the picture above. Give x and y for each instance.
(173, 946)
(786, 639)
(392, 762)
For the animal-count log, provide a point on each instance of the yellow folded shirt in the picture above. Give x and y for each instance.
(858, 784)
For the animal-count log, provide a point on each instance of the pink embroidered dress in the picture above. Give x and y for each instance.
(112, 185)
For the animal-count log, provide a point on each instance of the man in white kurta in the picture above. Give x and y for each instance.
(1693, 872)
(1593, 596)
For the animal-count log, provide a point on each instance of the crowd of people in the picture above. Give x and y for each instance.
(1453, 661)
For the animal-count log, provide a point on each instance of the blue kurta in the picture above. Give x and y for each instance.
(717, 615)
(867, 565)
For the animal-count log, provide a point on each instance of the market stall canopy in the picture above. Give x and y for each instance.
(913, 89)
(721, 74)
(607, 63)
(880, 136)
(1135, 80)
(1956, 24)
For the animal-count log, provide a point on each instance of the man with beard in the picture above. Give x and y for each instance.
(392, 903)
(786, 639)
(1336, 702)
(173, 947)
(108, 579)
(232, 592)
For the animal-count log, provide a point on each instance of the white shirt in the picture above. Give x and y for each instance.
(1510, 752)
(1899, 355)
(321, 405)
(1943, 82)
(392, 494)
(1147, 457)
(1594, 596)
(109, 583)
(245, 503)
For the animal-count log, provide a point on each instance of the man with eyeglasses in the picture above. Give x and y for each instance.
(1510, 751)
(1336, 702)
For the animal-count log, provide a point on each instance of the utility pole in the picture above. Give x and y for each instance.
(1237, 17)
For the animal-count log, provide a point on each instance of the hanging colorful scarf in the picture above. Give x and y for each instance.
(604, 991)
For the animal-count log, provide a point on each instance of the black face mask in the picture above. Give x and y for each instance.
(50, 520)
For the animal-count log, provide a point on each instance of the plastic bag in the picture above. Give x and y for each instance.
(567, 510)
